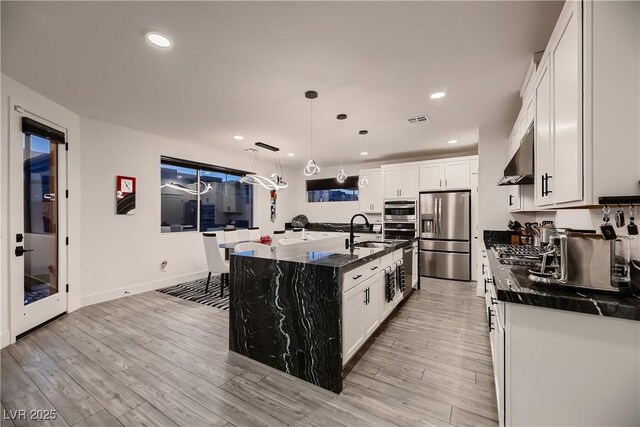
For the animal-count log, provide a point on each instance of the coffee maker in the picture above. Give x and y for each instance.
(585, 260)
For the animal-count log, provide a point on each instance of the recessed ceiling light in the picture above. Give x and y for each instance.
(364, 153)
(437, 95)
(238, 137)
(158, 39)
(291, 154)
(452, 141)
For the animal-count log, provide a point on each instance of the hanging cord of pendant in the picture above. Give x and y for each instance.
(341, 151)
(255, 161)
(311, 129)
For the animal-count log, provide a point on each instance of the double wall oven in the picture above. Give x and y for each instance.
(400, 219)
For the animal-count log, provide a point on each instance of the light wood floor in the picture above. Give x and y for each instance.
(152, 359)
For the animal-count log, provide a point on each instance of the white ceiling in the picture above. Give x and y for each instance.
(243, 67)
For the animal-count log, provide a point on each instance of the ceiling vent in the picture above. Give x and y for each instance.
(424, 119)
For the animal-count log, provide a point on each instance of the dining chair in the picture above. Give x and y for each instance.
(289, 241)
(243, 234)
(277, 235)
(215, 262)
(231, 235)
(258, 249)
(220, 236)
(254, 233)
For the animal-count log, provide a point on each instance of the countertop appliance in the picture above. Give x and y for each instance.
(585, 260)
(445, 235)
(400, 219)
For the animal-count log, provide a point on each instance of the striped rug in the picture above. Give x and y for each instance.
(194, 291)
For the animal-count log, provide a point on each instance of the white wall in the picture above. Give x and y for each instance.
(122, 254)
(111, 255)
(492, 153)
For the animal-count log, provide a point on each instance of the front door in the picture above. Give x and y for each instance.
(37, 221)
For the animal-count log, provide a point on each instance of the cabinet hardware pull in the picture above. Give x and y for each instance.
(365, 297)
(375, 267)
(510, 199)
(357, 277)
(542, 184)
(494, 301)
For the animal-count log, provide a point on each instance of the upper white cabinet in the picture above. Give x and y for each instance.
(566, 100)
(457, 175)
(401, 182)
(431, 176)
(445, 175)
(543, 138)
(371, 196)
(586, 104)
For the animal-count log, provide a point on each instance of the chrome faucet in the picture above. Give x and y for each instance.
(351, 237)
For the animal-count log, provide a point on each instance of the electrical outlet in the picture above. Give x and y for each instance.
(163, 265)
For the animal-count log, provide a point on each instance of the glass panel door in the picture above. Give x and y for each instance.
(40, 166)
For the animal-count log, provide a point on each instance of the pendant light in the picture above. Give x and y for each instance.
(311, 168)
(342, 177)
(363, 182)
(276, 180)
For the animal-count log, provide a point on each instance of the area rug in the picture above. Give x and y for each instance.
(194, 291)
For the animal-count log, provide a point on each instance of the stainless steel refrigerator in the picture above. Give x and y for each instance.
(445, 235)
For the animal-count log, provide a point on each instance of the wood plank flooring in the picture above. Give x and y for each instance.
(156, 360)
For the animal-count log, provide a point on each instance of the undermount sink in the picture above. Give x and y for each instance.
(377, 245)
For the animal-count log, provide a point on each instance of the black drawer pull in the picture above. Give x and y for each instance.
(357, 277)
(374, 268)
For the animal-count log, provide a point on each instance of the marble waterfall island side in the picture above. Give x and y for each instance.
(286, 314)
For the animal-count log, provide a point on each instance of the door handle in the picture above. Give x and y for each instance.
(21, 250)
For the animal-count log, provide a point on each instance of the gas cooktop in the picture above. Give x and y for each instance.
(525, 255)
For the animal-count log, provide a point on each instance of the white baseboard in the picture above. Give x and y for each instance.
(137, 289)
(5, 339)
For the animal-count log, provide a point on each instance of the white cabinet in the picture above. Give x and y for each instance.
(583, 99)
(515, 201)
(445, 175)
(371, 196)
(457, 175)
(431, 176)
(558, 114)
(352, 313)
(566, 101)
(401, 182)
(371, 308)
(543, 139)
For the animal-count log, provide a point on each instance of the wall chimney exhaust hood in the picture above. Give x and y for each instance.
(520, 169)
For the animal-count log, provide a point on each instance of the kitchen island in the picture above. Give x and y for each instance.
(287, 309)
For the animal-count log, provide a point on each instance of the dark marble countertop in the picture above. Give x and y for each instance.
(513, 285)
(337, 226)
(330, 254)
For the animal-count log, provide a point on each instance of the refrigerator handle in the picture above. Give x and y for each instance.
(438, 206)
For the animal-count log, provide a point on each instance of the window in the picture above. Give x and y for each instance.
(330, 190)
(199, 197)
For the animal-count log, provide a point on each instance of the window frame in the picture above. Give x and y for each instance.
(199, 167)
(329, 184)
